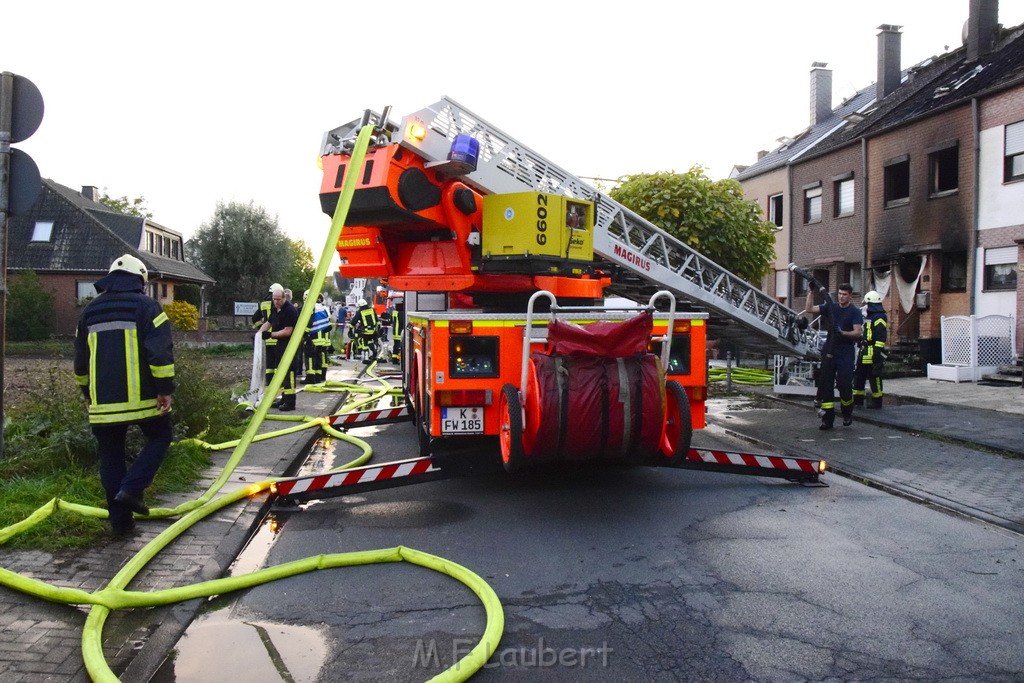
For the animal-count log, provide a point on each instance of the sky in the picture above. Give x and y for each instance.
(188, 104)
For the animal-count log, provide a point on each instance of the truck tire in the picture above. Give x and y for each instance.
(678, 425)
(510, 428)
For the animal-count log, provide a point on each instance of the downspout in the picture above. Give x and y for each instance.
(972, 276)
(792, 232)
(865, 200)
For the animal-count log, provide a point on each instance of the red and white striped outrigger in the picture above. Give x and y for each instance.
(417, 470)
(365, 418)
(804, 470)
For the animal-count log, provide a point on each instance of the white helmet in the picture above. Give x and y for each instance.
(276, 287)
(130, 264)
(305, 295)
(361, 303)
(872, 297)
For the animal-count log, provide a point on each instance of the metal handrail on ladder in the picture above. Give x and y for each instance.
(621, 237)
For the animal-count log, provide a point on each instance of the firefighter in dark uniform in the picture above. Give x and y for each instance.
(279, 328)
(839, 355)
(317, 341)
(398, 323)
(872, 353)
(365, 327)
(261, 316)
(124, 364)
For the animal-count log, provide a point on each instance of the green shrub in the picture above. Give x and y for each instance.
(30, 311)
(183, 315)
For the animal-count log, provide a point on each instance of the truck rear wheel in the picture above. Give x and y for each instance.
(510, 428)
(675, 444)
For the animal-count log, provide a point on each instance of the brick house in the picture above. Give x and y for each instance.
(917, 194)
(70, 239)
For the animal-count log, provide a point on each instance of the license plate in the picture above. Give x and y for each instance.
(468, 420)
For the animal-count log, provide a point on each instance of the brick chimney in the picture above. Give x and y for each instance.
(982, 28)
(91, 192)
(888, 60)
(821, 92)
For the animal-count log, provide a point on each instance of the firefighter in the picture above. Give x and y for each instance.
(317, 340)
(124, 364)
(261, 316)
(366, 326)
(872, 353)
(839, 355)
(398, 322)
(279, 328)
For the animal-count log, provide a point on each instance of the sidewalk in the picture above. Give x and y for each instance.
(42, 641)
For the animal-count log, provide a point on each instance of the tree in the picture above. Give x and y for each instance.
(300, 270)
(30, 311)
(132, 207)
(709, 216)
(244, 250)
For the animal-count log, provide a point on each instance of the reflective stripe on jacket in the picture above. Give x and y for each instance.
(124, 357)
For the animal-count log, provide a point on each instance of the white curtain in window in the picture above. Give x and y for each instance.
(881, 278)
(907, 290)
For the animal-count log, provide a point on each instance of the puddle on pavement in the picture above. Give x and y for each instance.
(321, 457)
(216, 648)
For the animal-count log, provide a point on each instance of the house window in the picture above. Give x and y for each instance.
(42, 231)
(821, 275)
(163, 290)
(944, 171)
(775, 209)
(174, 245)
(854, 276)
(843, 189)
(812, 204)
(1001, 269)
(954, 271)
(149, 242)
(84, 292)
(1014, 152)
(897, 181)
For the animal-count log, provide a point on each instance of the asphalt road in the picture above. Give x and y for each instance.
(628, 575)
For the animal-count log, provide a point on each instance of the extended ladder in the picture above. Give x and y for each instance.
(643, 255)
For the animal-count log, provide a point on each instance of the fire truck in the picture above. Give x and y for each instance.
(505, 263)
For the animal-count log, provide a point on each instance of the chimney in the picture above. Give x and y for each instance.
(888, 60)
(761, 154)
(91, 192)
(821, 92)
(982, 28)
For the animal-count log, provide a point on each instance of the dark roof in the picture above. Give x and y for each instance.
(811, 137)
(940, 83)
(86, 238)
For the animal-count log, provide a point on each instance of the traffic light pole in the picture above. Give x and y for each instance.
(6, 107)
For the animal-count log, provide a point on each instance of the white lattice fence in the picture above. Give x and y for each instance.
(974, 345)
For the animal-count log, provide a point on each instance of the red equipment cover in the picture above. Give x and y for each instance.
(611, 339)
(594, 408)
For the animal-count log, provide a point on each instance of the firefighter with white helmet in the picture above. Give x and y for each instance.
(124, 364)
(364, 327)
(871, 355)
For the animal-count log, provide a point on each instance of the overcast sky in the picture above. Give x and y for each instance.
(191, 103)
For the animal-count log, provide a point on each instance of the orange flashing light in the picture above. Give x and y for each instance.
(681, 327)
(460, 327)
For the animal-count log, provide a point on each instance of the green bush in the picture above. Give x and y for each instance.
(50, 451)
(183, 315)
(30, 311)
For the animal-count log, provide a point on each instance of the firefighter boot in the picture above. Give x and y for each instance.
(287, 402)
(874, 402)
(828, 418)
(848, 418)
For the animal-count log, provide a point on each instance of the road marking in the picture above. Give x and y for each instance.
(865, 438)
(894, 437)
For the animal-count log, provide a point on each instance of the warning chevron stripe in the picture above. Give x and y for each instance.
(369, 417)
(775, 462)
(356, 475)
